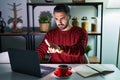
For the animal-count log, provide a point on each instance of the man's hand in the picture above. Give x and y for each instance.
(53, 48)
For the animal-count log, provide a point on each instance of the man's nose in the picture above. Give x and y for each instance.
(60, 21)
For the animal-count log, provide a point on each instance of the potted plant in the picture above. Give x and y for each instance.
(45, 21)
(88, 49)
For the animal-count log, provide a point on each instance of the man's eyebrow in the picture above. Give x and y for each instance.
(60, 18)
(55, 17)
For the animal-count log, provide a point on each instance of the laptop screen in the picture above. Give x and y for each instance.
(27, 62)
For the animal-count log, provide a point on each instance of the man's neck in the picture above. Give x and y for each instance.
(68, 28)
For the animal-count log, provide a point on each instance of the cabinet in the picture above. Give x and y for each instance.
(8, 33)
(97, 11)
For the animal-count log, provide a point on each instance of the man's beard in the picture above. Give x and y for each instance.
(62, 26)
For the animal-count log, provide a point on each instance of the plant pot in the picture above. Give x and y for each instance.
(44, 27)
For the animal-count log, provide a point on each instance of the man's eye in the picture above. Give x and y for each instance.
(63, 18)
(56, 19)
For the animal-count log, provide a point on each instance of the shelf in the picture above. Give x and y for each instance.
(98, 7)
(94, 33)
(89, 33)
(93, 59)
(13, 34)
(68, 3)
(37, 33)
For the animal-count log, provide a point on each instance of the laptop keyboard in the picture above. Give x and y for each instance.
(45, 70)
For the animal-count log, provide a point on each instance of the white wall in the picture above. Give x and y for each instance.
(111, 24)
(5, 8)
(110, 35)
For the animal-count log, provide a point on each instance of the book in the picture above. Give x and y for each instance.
(88, 70)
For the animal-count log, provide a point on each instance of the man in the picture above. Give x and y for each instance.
(66, 43)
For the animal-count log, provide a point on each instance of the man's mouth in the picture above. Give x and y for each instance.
(61, 25)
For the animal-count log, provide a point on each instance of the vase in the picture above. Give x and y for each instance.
(44, 27)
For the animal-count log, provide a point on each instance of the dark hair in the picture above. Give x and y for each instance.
(62, 8)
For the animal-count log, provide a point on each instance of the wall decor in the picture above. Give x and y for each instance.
(15, 21)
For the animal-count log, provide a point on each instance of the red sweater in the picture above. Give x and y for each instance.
(73, 43)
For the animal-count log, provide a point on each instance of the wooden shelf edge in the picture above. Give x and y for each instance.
(69, 3)
(94, 33)
(93, 59)
(13, 33)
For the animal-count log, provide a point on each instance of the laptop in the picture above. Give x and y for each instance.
(27, 62)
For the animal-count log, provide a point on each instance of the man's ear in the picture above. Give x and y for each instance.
(69, 17)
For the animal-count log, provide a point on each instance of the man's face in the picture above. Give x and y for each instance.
(62, 20)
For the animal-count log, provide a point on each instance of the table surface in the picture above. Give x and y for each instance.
(7, 74)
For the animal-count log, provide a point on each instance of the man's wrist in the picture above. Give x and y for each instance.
(60, 48)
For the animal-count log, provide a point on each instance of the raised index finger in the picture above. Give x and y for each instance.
(47, 42)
